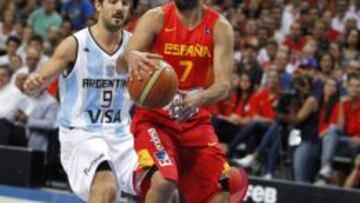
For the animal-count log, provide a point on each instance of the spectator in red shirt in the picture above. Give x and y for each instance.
(344, 135)
(234, 113)
(262, 114)
(295, 41)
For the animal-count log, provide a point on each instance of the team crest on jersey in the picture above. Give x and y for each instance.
(207, 31)
(163, 158)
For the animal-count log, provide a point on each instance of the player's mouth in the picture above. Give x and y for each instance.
(118, 16)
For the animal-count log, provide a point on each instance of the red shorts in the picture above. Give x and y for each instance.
(195, 168)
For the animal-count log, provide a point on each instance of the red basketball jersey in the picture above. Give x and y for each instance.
(190, 52)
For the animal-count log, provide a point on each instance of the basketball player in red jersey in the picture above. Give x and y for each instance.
(177, 145)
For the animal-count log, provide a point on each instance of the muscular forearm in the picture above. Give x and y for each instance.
(214, 93)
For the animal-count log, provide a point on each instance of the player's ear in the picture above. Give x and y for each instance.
(98, 5)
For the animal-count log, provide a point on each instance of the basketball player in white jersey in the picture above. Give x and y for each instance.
(96, 145)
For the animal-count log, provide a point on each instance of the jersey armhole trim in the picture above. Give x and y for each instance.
(71, 65)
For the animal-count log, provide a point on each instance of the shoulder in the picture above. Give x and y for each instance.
(152, 20)
(223, 29)
(223, 23)
(67, 49)
(156, 14)
(57, 16)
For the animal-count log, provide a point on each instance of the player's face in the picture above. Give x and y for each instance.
(113, 13)
(186, 4)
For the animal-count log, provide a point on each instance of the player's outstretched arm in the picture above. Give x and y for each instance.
(63, 56)
(135, 56)
(223, 67)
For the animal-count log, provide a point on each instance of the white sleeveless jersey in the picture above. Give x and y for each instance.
(93, 95)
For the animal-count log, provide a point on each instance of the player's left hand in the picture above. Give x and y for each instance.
(190, 105)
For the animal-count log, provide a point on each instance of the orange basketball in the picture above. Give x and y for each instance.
(156, 90)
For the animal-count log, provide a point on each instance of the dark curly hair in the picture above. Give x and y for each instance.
(133, 7)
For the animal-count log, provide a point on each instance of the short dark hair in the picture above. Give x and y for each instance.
(13, 39)
(133, 7)
(7, 68)
(36, 38)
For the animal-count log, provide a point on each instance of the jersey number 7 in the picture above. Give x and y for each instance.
(188, 65)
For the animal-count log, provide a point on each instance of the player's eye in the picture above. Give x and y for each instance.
(126, 2)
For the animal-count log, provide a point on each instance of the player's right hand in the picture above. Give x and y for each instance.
(34, 84)
(140, 62)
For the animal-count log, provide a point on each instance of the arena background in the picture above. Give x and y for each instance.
(307, 30)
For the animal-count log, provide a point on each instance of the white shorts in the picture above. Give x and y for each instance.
(82, 152)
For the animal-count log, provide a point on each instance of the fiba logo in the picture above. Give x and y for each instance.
(261, 194)
(207, 31)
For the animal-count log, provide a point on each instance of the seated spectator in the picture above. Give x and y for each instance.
(328, 99)
(15, 63)
(250, 64)
(44, 17)
(281, 65)
(353, 68)
(78, 11)
(38, 116)
(66, 28)
(31, 63)
(12, 133)
(351, 50)
(52, 41)
(12, 44)
(331, 34)
(300, 115)
(36, 42)
(343, 137)
(6, 27)
(26, 35)
(261, 112)
(342, 15)
(233, 113)
(319, 72)
(295, 41)
(320, 36)
(266, 56)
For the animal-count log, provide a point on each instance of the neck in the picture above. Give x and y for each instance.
(191, 17)
(245, 94)
(273, 90)
(326, 99)
(47, 12)
(105, 36)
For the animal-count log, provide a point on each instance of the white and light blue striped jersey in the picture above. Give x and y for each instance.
(93, 95)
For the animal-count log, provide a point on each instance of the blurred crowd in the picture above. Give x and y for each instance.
(294, 111)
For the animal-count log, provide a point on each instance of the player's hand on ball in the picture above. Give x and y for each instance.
(34, 84)
(189, 105)
(140, 61)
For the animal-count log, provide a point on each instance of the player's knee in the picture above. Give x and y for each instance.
(235, 181)
(104, 183)
(162, 185)
(107, 191)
